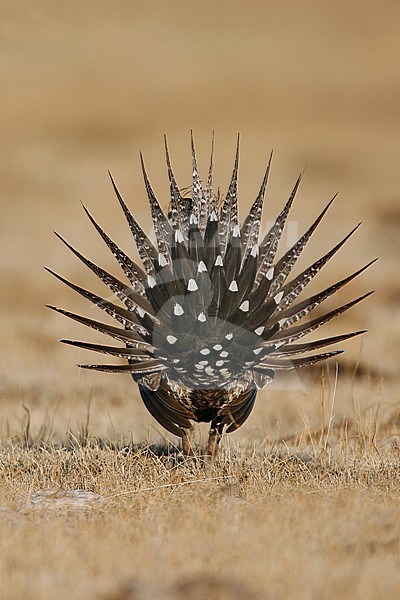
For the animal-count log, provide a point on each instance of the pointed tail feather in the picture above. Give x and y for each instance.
(210, 169)
(294, 333)
(229, 209)
(286, 365)
(124, 316)
(300, 310)
(122, 291)
(269, 245)
(162, 228)
(180, 207)
(134, 273)
(211, 240)
(196, 245)
(137, 369)
(198, 204)
(233, 255)
(251, 226)
(294, 349)
(128, 353)
(293, 288)
(285, 265)
(147, 252)
(124, 335)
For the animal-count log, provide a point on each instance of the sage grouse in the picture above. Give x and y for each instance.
(211, 315)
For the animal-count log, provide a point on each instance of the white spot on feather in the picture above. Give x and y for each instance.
(151, 282)
(257, 350)
(178, 310)
(233, 287)
(245, 306)
(219, 363)
(201, 317)
(255, 251)
(202, 267)
(162, 261)
(270, 273)
(171, 339)
(229, 336)
(178, 236)
(278, 297)
(192, 285)
(224, 354)
(236, 231)
(217, 347)
(205, 351)
(259, 330)
(213, 216)
(192, 220)
(218, 261)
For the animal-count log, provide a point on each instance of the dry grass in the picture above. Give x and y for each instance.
(314, 515)
(304, 501)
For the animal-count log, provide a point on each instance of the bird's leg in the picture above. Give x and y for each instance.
(187, 441)
(214, 438)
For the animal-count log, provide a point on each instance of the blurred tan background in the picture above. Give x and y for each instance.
(86, 85)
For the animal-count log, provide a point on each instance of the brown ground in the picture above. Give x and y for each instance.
(85, 86)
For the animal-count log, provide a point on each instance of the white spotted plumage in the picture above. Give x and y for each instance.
(208, 287)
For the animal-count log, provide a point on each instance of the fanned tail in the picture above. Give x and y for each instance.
(213, 313)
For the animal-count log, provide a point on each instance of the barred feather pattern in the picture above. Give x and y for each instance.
(212, 314)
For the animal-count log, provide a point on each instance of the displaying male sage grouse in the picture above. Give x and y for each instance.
(211, 315)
